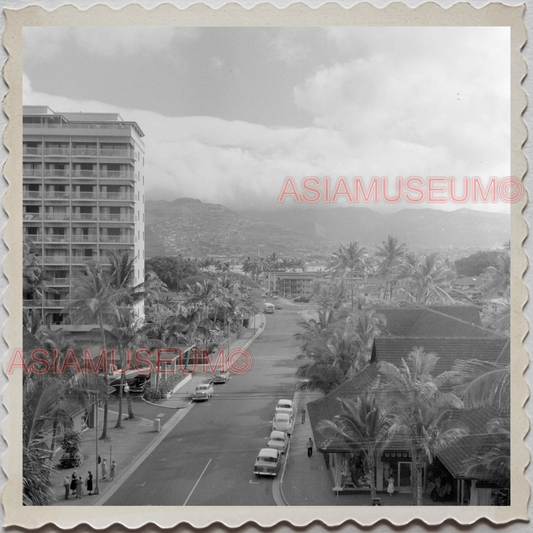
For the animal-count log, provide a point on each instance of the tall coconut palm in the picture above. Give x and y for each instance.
(499, 282)
(481, 384)
(363, 424)
(94, 300)
(126, 335)
(494, 463)
(427, 281)
(420, 409)
(348, 260)
(389, 254)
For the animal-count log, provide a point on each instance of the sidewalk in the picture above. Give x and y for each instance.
(308, 482)
(125, 446)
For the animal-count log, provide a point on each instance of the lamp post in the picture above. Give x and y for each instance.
(96, 488)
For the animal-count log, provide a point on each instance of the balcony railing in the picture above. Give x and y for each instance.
(79, 125)
(120, 174)
(27, 150)
(84, 216)
(116, 218)
(59, 282)
(56, 173)
(32, 195)
(32, 216)
(85, 173)
(57, 151)
(126, 239)
(57, 238)
(115, 152)
(56, 195)
(33, 238)
(84, 196)
(56, 259)
(82, 259)
(56, 216)
(84, 238)
(114, 196)
(32, 172)
(50, 302)
(84, 151)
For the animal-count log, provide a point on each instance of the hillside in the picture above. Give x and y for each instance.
(195, 229)
(192, 228)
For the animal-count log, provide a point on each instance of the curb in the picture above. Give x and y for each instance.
(171, 424)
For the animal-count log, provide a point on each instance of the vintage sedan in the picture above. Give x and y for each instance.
(282, 422)
(279, 306)
(268, 462)
(221, 377)
(285, 406)
(203, 392)
(278, 440)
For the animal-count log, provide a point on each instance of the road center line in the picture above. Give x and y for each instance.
(198, 481)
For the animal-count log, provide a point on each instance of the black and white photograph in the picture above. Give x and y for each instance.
(269, 266)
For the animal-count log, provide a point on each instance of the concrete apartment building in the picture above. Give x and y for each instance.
(83, 195)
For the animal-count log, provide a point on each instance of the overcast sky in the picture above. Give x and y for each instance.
(229, 113)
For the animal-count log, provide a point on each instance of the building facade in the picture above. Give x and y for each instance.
(83, 196)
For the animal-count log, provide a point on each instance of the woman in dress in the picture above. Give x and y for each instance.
(104, 469)
(74, 483)
(79, 488)
(390, 487)
(90, 483)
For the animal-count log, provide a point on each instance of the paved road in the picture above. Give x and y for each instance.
(208, 458)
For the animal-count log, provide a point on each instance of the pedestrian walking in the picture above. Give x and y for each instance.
(390, 487)
(112, 471)
(309, 448)
(73, 482)
(79, 488)
(104, 468)
(90, 483)
(66, 485)
(303, 415)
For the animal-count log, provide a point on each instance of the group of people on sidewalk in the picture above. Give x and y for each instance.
(75, 482)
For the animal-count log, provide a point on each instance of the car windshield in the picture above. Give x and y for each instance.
(266, 459)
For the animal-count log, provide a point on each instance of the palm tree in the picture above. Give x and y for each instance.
(495, 462)
(390, 255)
(482, 383)
(427, 280)
(93, 299)
(127, 335)
(347, 260)
(364, 425)
(420, 409)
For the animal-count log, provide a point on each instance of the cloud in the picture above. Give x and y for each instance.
(426, 111)
(104, 41)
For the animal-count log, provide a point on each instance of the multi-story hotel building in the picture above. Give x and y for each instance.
(83, 195)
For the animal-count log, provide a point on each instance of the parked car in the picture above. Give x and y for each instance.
(302, 299)
(282, 422)
(221, 377)
(279, 306)
(278, 440)
(285, 406)
(203, 392)
(275, 297)
(268, 462)
(139, 383)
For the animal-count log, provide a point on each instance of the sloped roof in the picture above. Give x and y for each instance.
(468, 313)
(449, 349)
(476, 442)
(400, 320)
(438, 324)
(425, 320)
(326, 408)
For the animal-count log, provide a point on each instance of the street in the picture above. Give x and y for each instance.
(208, 458)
